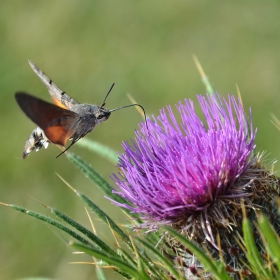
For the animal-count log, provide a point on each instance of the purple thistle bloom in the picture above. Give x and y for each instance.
(177, 169)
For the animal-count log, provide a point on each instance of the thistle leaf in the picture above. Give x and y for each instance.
(252, 253)
(271, 239)
(209, 265)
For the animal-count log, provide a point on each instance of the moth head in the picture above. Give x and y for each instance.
(103, 114)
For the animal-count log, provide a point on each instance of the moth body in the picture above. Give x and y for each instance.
(89, 117)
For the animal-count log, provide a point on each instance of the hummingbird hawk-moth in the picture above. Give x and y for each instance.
(63, 120)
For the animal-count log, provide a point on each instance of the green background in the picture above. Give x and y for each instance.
(146, 48)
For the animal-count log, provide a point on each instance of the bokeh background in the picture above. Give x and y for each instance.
(146, 48)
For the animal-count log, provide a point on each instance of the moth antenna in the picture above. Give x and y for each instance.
(67, 148)
(103, 103)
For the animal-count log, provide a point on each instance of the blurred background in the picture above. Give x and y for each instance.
(146, 48)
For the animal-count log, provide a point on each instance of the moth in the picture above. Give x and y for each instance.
(63, 120)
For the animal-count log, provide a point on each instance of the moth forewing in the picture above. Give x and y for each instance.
(60, 97)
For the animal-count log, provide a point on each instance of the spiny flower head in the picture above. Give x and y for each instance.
(176, 169)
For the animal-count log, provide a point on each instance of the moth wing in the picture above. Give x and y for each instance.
(57, 123)
(58, 134)
(60, 97)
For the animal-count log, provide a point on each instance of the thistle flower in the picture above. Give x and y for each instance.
(175, 170)
(192, 174)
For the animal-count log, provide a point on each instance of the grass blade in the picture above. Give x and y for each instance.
(100, 149)
(103, 216)
(51, 222)
(100, 274)
(103, 246)
(94, 177)
(112, 261)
